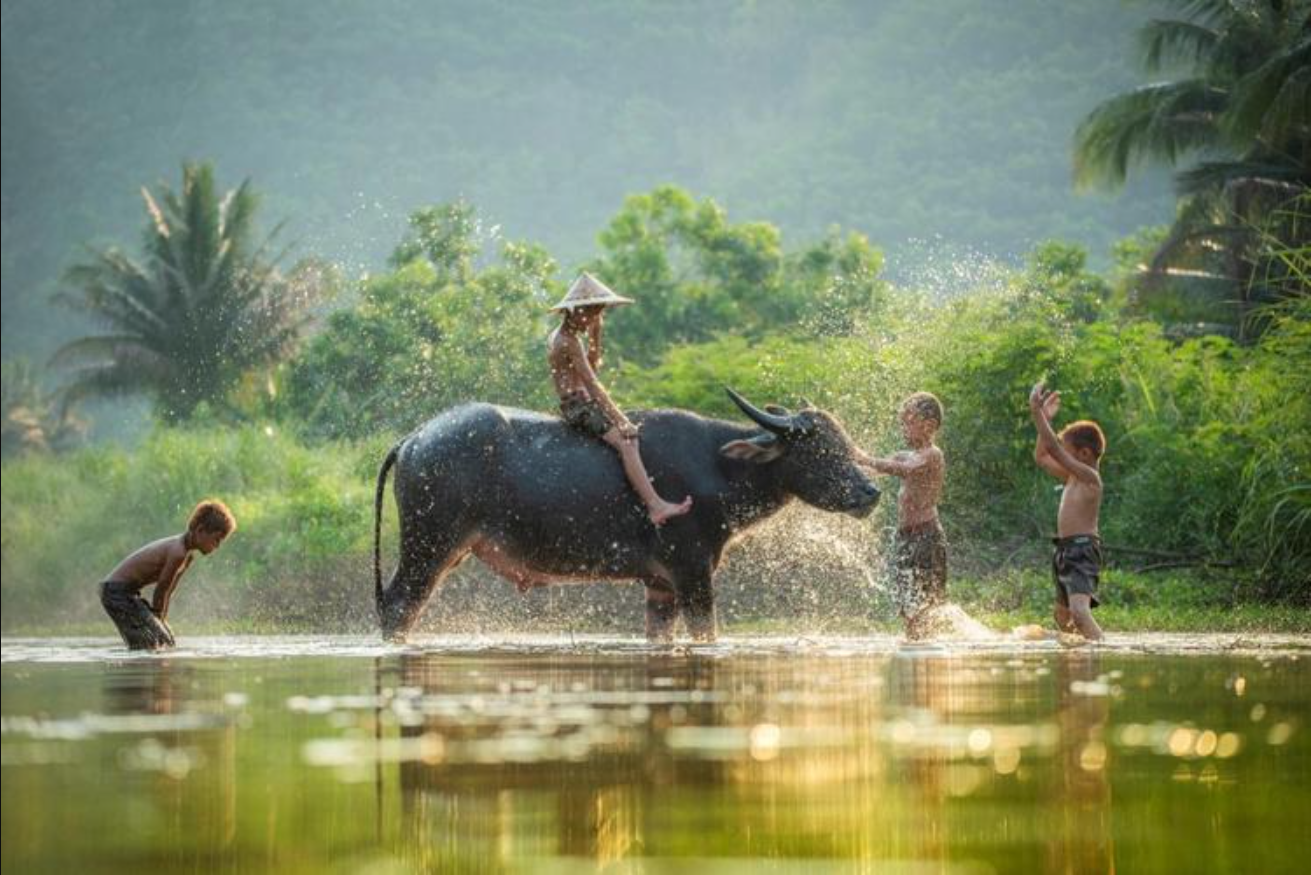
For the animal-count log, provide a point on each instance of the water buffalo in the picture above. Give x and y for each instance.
(542, 504)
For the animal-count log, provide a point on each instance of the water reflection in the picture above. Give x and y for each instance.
(563, 760)
(1081, 788)
(186, 758)
(875, 759)
(924, 758)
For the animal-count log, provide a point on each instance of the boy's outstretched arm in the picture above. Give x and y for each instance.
(899, 465)
(1051, 445)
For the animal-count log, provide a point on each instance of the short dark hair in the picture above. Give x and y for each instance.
(212, 515)
(1087, 435)
(925, 405)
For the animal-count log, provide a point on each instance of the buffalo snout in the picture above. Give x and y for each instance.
(866, 499)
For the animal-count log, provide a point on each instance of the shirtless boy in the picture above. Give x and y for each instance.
(144, 625)
(584, 403)
(919, 557)
(1073, 457)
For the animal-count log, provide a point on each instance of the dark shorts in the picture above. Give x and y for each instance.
(136, 622)
(1076, 565)
(585, 415)
(919, 568)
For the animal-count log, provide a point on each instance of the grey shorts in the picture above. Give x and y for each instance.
(1076, 567)
(136, 622)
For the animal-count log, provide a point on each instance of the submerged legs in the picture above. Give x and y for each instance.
(421, 569)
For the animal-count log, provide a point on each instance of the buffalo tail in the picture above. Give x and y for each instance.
(387, 464)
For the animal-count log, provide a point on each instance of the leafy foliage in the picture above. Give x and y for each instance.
(700, 275)
(901, 119)
(204, 306)
(34, 420)
(435, 331)
(1238, 126)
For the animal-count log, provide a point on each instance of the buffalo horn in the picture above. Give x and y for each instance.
(770, 421)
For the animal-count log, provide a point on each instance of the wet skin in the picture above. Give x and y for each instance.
(1081, 498)
(573, 372)
(162, 563)
(922, 470)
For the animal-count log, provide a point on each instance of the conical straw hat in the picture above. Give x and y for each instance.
(588, 291)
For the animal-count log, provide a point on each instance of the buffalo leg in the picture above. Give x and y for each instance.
(423, 565)
(696, 602)
(661, 611)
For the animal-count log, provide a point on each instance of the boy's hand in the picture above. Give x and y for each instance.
(1045, 402)
(628, 431)
(1036, 397)
(1051, 405)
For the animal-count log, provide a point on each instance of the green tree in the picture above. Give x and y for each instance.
(696, 274)
(1236, 125)
(437, 330)
(203, 306)
(33, 417)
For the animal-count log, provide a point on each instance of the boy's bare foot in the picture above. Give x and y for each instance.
(664, 511)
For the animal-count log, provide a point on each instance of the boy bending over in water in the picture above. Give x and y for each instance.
(584, 403)
(1073, 457)
(144, 625)
(919, 557)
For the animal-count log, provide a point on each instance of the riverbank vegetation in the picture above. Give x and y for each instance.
(1207, 508)
(280, 389)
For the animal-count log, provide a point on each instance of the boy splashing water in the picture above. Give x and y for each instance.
(919, 559)
(1073, 457)
(584, 403)
(144, 625)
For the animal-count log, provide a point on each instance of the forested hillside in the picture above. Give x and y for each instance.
(901, 120)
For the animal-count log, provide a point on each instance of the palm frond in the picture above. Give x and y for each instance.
(1162, 121)
(1165, 41)
(93, 351)
(1217, 175)
(1181, 240)
(1273, 101)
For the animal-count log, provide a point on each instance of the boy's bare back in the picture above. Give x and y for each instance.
(151, 563)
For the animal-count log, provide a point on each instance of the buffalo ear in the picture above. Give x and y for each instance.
(759, 450)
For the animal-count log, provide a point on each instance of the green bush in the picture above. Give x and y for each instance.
(305, 524)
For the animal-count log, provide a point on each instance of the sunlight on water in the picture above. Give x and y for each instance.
(468, 753)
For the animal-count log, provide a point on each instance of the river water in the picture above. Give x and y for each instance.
(1151, 754)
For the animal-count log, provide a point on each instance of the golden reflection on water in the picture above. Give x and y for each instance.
(921, 759)
(826, 759)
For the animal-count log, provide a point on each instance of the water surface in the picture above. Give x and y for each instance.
(1155, 753)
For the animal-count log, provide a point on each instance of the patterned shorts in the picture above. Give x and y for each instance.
(919, 568)
(586, 416)
(136, 622)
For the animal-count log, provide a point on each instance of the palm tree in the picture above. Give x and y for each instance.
(204, 305)
(1238, 127)
(32, 418)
